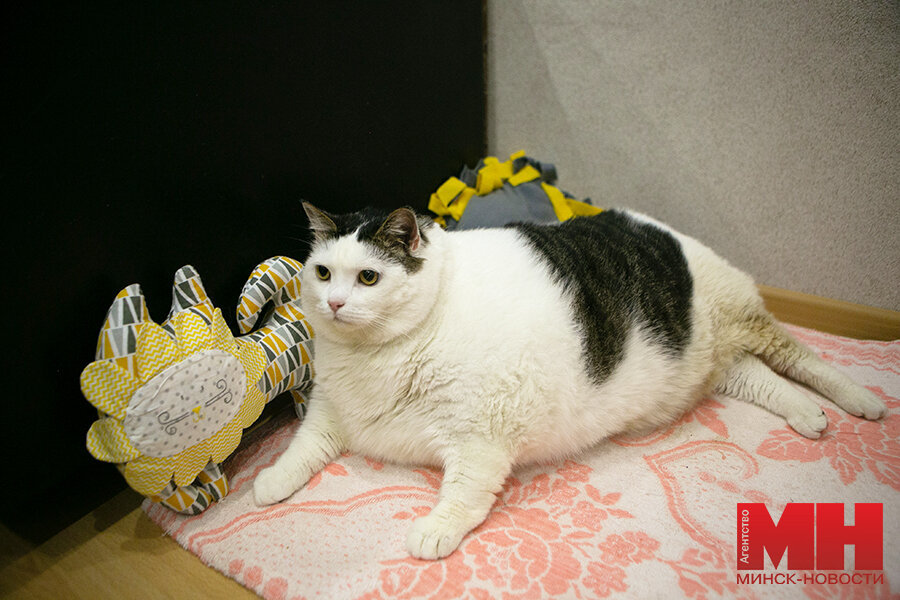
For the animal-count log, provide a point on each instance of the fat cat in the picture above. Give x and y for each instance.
(480, 350)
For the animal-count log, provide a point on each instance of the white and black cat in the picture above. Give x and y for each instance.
(480, 350)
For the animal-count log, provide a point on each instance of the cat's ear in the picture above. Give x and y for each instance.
(320, 223)
(402, 226)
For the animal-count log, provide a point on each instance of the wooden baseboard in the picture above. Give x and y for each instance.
(831, 316)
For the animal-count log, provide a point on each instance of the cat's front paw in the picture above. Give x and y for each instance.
(273, 485)
(431, 538)
(809, 421)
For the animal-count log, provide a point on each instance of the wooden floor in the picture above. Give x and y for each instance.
(117, 552)
(114, 552)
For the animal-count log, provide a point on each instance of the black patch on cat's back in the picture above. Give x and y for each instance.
(621, 272)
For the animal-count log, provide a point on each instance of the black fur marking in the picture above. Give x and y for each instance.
(620, 272)
(399, 235)
(368, 219)
(369, 222)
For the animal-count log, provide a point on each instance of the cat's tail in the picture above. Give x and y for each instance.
(769, 347)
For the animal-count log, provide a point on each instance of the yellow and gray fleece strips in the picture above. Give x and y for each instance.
(496, 193)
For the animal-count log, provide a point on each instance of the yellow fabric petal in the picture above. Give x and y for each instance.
(189, 464)
(106, 440)
(204, 309)
(253, 360)
(192, 461)
(191, 333)
(222, 335)
(217, 448)
(251, 408)
(225, 442)
(108, 387)
(149, 475)
(156, 350)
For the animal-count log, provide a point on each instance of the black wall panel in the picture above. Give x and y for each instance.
(138, 139)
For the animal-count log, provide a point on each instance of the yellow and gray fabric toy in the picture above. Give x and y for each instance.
(174, 398)
(495, 193)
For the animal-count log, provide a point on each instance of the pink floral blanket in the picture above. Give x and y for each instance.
(642, 517)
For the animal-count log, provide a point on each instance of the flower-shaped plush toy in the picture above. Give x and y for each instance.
(174, 398)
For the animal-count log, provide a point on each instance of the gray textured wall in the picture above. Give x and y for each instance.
(769, 130)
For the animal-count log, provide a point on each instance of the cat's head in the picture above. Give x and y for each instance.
(371, 276)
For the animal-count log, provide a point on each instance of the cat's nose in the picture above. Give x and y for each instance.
(335, 305)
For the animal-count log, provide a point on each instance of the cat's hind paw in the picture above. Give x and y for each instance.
(431, 538)
(273, 485)
(860, 402)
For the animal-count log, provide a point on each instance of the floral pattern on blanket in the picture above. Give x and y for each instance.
(850, 445)
(642, 516)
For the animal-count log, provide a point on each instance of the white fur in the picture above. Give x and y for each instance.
(473, 363)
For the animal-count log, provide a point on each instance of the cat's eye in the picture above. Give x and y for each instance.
(368, 277)
(323, 273)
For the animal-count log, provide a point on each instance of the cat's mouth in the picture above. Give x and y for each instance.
(337, 317)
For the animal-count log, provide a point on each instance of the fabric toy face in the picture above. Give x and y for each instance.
(167, 418)
(175, 398)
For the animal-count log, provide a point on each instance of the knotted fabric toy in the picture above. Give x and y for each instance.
(496, 193)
